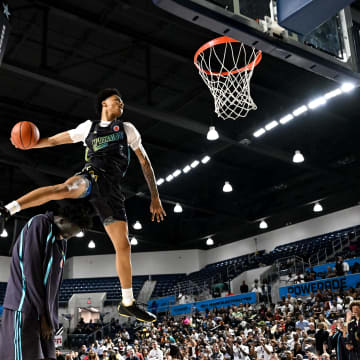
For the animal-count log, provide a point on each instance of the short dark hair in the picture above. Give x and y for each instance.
(103, 95)
(77, 211)
(354, 303)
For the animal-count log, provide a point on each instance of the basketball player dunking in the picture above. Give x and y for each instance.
(107, 159)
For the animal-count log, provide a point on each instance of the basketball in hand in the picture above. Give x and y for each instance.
(25, 135)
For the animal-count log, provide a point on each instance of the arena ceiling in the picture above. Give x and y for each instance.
(61, 53)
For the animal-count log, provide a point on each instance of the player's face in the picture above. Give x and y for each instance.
(114, 105)
(356, 310)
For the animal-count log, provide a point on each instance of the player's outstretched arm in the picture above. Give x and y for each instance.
(58, 139)
(156, 208)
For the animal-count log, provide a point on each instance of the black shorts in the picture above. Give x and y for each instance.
(105, 195)
(20, 337)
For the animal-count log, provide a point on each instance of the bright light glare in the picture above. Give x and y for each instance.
(271, 125)
(178, 208)
(176, 173)
(78, 235)
(4, 234)
(91, 244)
(317, 207)
(263, 225)
(133, 241)
(186, 169)
(332, 94)
(205, 159)
(300, 110)
(259, 132)
(169, 178)
(347, 87)
(286, 119)
(194, 164)
(209, 242)
(317, 102)
(160, 181)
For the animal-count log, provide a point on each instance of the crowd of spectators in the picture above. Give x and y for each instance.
(316, 327)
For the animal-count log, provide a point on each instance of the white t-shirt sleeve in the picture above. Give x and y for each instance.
(133, 136)
(80, 133)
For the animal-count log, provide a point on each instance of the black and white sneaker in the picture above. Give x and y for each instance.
(4, 216)
(135, 311)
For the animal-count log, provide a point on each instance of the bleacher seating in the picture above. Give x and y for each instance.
(110, 285)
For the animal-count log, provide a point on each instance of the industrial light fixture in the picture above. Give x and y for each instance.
(285, 119)
(80, 234)
(298, 157)
(271, 125)
(169, 178)
(178, 208)
(133, 241)
(137, 225)
(227, 187)
(317, 207)
(209, 242)
(4, 234)
(332, 94)
(263, 225)
(91, 244)
(205, 159)
(317, 102)
(194, 164)
(160, 181)
(186, 169)
(300, 110)
(212, 134)
(176, 173)
(347, 87)
(259, 132)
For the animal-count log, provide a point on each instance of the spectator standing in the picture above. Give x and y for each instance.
(321, 339)
(302, 324)
(131, 355)
(217, 354)
(264, 350)
(354, 326)
(341, 267)
(244, 288)
(155, 353)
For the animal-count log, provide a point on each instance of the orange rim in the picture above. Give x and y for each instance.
(223, 40)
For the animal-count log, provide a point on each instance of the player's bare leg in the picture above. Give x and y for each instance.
(72, 188)
(119, 235)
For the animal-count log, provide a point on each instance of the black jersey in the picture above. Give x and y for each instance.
(107, 149)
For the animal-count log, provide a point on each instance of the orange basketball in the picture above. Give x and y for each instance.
(25, 135)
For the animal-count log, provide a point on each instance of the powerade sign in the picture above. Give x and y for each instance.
(214, 303)
(160, 304)
(338, 283)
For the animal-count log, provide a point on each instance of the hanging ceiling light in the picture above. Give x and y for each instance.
(263, 225)
(205, 159)
(212, 134)
(209, 242)
(169, 178)
(178, 208)
(194, 164)
(160, 181)
(4, 234)
(133, 241)
(80, 234)
(137, 225)
(176, 173)
(91, 244)
(317, 207)
(186, 169)
(347, 87)
(298, 157)
(227, 187)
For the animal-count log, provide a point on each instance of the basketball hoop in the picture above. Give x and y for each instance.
(226, 67)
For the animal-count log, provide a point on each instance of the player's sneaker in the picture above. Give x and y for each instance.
(135, 311)
(4, 216)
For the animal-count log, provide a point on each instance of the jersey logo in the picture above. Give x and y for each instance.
(116, 128)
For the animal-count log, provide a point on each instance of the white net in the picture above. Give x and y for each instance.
(227, 69)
